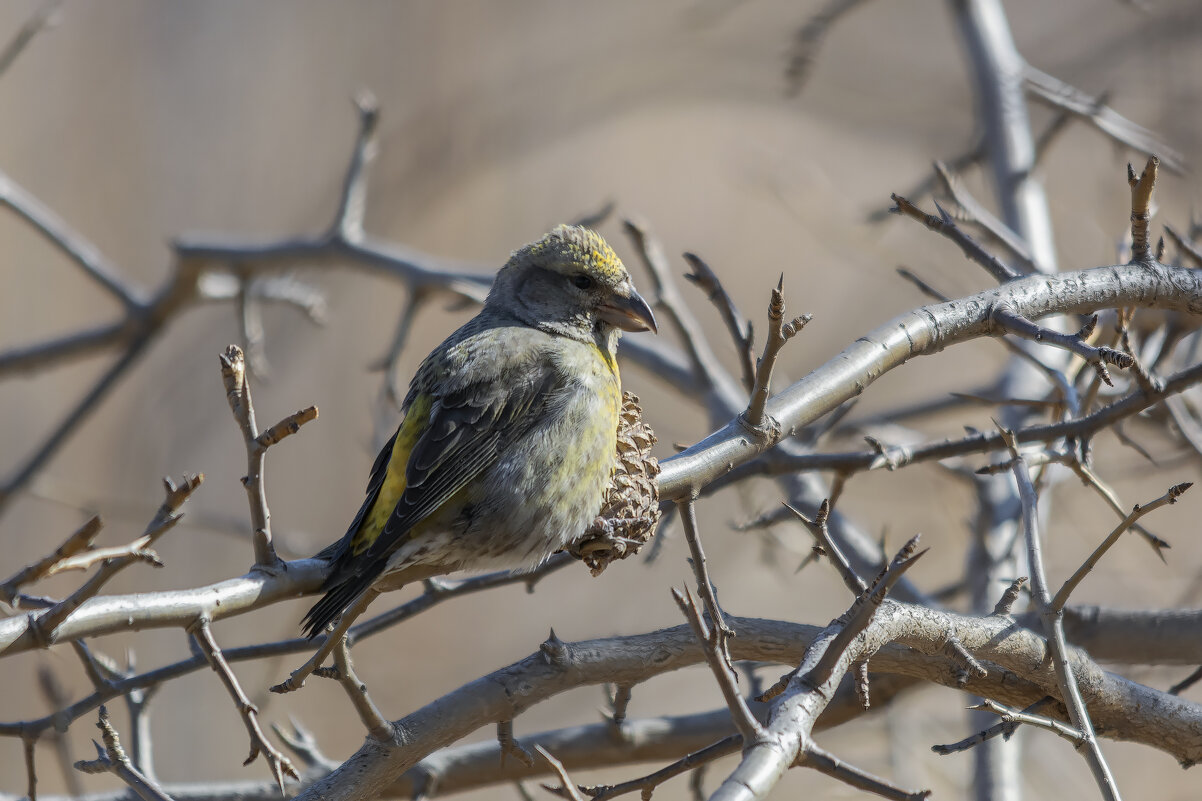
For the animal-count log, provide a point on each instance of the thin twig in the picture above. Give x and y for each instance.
(80, 412)
(1090, 478)
(1016, 716)
(827, 763)
(809, 38)
(44, 17)
(111, 758)
(163, 521)
(237, 392)
(707, 368)
(714, 641)
(277, 763)
(1006, 603)
(1183, 244)
(1058, 603)
(980, 215)
(740, 329)
(648, 783)
(57, 698)
(569, 789)
(619, 702)
(352, 203)
(378, 727)
(74, 544)
(1099, 357)
(779, 332)
(945, 225)
(389, 363)
(304, 745)
(1061, 95)
(1053, 620)
(863, 609)
(828, 547)
(1004, 729)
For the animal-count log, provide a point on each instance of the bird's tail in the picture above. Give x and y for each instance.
(341, 592)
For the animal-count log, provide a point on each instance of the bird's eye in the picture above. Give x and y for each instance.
(582, 281)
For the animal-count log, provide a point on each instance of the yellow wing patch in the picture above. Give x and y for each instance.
(417, 419)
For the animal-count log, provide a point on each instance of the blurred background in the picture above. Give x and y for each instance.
(140, 121)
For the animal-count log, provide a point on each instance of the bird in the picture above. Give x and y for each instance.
(507, 440)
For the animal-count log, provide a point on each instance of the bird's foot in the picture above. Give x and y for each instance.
(297, 679)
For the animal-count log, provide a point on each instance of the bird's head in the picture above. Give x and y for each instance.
(571, 283)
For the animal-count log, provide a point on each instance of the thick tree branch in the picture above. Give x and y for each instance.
(921, 332)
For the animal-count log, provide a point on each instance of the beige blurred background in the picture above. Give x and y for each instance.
(138, 121)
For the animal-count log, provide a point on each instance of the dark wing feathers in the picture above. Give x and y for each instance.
(467, 432)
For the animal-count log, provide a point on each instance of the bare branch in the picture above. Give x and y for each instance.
(56, 698)
(278, 764)
(619, 702)
(352, 204)
(826, 661)
(237, 392)
(1187, 247)
(715, 642)
(779, 332)
(1091, 479)
(808, 40)
(1016, 716)
(645, 784)
(1099, 357)
(509, 745)
(44, 626)
(1005, 729)
(829, 764)
(44, 17)
(1006, 602)
(707, 368)
(296, 679)
(1059, 94)
(944, 224)
(1186, 683)
(31, 773)
(569, 789)
(1053, 620)
(111, 758)
(86, 405)
(343, 672)
(860, 615)
(980, 215)
(740, 329)
(1061, 600)
(390, 361)
(827, 546)
(79, 541)
(1141, 208)
(73, 245)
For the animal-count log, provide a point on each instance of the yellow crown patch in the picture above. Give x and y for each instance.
(573, 247)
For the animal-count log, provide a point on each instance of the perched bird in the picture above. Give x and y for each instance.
(508, 436)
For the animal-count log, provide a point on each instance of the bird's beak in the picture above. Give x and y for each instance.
(627, 310)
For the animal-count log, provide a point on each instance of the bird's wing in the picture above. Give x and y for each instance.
(466, 432)
(449, 437)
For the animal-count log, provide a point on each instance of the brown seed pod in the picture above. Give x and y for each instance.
(630, 509)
